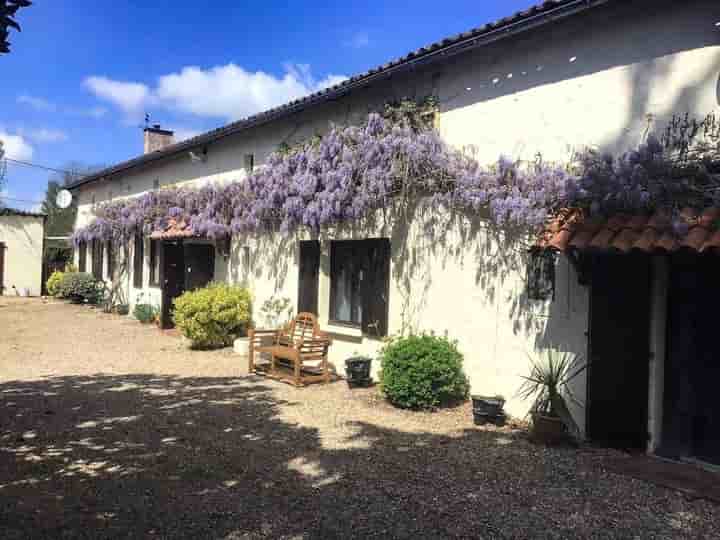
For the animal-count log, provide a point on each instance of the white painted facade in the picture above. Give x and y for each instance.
(597, 79)
(22, 238)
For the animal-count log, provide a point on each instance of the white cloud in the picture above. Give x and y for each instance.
(229, 91)
(37, 103)
(15, 146)
(44, 135)
(90, 112)
(358, 40)
(131, 97)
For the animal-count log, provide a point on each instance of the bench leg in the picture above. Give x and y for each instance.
(326, 371)
(272, 364)
(298, 381)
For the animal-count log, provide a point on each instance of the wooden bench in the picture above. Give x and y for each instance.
(296, 344)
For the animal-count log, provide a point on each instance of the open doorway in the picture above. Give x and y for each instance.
(618, 372)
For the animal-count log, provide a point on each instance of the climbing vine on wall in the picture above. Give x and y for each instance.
(398, 155)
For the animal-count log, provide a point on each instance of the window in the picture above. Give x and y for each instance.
(156, 183)
(541, 276)
(138, 261)
(359, 283)
(110, 260)
(309, 273)
(97, 259)
(82, 256)
(154, 263)
(249, 163)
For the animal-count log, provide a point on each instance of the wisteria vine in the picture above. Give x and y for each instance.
(355, 169)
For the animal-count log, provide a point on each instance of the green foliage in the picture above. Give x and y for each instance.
(423, 372)
(53, 283)
(548, 385)
(80, 287)
(145, 313)
(213, 316)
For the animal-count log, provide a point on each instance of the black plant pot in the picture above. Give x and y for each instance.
(488, 409)
(357, 371)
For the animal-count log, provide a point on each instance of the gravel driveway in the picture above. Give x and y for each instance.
(109, 429)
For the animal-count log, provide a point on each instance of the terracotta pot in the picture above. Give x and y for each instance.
(548, 429)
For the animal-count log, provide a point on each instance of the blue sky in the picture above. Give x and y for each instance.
(82, 74)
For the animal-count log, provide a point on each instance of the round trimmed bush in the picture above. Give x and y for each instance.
(214, 315)
(80, 287)
(53, 283)
(423, 372)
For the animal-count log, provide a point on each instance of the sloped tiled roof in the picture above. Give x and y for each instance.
(23, 213)
(573, 230)
(537, 15)
(174, 230)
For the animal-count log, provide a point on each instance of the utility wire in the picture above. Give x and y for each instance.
(38, 166)
(2, 197)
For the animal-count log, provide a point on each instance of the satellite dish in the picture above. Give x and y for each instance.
(63, 199)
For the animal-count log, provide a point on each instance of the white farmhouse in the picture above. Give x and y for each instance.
(563, 75)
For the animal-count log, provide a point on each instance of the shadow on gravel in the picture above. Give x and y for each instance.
(142, 456)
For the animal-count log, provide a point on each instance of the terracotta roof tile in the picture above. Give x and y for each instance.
(174, 230)
(572, 230)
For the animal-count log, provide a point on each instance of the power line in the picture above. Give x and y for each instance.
(2, 197)
(38, 166)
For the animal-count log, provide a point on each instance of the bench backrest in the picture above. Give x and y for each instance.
(303, 326)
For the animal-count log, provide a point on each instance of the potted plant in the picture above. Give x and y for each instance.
(488, 409)
(357, 371)
(548, 386)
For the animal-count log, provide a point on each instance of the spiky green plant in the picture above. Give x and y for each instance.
(549, 385)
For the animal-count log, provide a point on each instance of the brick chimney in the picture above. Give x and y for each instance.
(155, 139)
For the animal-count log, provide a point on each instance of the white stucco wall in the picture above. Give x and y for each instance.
(23, 238)
(598, 79)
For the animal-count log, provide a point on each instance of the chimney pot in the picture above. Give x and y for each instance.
(155, 138)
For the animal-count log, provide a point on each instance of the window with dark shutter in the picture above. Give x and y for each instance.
(82, 256)
(110, 261)
(541, 276)
(309, 273)
(359, 284)
(138, 259)
(97, 259)
(154, 263)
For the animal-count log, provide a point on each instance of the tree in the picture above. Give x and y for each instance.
(8, 9)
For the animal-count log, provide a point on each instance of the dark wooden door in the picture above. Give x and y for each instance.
(309, 273)
(691, 404)
(2, 268)
(199, 265)
(172, 278)
(618, 372)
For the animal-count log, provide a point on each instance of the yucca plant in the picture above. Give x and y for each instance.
(548, 386)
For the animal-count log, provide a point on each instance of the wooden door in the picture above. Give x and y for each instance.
(199, 261)
(172, 278)
(309, 274)
(691, 402)
(618, 373)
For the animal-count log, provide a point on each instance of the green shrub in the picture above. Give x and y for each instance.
(80, 287)
(53, 283)
(422, 372)
(213, 316)
(145, 313)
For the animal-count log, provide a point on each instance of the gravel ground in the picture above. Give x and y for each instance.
(110, 429)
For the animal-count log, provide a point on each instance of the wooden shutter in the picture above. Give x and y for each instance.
(110, 260)
(376, 287)
(2, 268)
(154, 266)
(309, 273)
(138, 259)
(97, 259)
(82, 257)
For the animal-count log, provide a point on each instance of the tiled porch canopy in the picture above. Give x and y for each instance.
(173, 231)
(573, 230)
